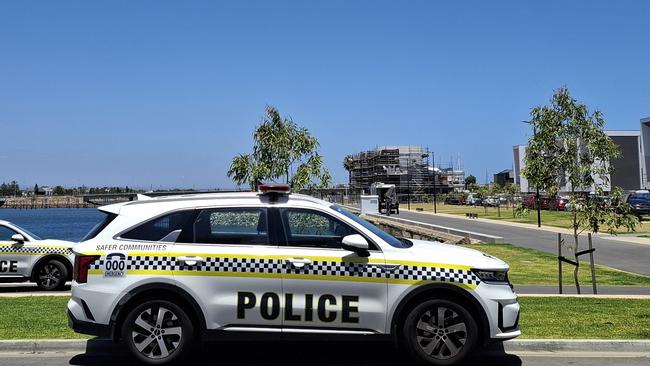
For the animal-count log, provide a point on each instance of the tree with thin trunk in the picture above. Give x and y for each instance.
(569, 151)
(282, 151)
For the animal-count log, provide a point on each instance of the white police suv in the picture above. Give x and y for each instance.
(26, 257)
(157, 274)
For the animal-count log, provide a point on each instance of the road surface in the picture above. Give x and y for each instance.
(320, 353)
(626, 256)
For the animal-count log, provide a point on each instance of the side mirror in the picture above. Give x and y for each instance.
(18, 238)
(356, 243)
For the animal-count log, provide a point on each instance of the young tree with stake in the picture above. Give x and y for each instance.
(570, 149)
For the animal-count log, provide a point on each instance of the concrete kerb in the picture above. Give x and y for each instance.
(576, 345)
(516, 345)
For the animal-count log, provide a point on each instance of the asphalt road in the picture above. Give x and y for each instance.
(626, 256)
(316, 354)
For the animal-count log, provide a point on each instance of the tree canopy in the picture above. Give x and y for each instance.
(281, 149)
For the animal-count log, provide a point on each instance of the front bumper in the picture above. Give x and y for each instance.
(502, 309)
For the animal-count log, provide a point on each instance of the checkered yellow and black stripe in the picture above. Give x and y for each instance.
(29, 250)
(317, 269)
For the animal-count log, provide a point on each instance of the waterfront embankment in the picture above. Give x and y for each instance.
(45, 202)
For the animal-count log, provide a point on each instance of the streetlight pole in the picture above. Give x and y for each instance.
(408, 177)
(433, 170)
(537, 202)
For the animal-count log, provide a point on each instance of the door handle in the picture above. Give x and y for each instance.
(298, 262)
(190, 260)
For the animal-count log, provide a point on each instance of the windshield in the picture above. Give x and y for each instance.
(29, 233)
(391, 240)
(641, 196)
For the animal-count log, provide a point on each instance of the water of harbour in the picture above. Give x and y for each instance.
(55, 223)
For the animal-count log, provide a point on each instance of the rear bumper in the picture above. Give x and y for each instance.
(90, 328)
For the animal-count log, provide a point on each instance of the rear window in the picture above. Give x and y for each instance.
(167, 228)
(99, 227)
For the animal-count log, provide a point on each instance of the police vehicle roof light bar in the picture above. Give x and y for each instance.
(274, 188)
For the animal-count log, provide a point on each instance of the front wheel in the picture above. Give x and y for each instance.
(440, 332)
(51, 275)
(157, 332)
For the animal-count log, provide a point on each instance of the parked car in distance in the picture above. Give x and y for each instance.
(454, 200)
(24, 257)
(640, 202)
(561, 202)
(491, 201)
(546, 202)
(474, 200)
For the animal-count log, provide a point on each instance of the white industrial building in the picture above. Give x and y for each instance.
(630, 169)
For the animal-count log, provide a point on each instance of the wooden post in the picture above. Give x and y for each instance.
(559, 262)
(593, 268)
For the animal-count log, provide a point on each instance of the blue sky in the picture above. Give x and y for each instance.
(164, 94)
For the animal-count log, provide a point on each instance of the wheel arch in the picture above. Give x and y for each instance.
(440, 291)
(153, 291)
(63, 259)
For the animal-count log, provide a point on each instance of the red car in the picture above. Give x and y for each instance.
(546, 203)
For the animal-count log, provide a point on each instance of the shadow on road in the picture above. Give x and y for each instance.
(375, 353)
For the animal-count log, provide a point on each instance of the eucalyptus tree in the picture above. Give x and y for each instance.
(282, 151)
(570, 149)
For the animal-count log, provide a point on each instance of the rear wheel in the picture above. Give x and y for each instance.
(440, 332)
(157, 332)
(51, 275)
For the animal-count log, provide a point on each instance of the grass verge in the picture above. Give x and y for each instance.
(584, 318)
(545, 317)
(534, 267)
(35, 318)
(560, 219)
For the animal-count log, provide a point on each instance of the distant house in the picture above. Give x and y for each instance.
(47, 191)
(504, 177)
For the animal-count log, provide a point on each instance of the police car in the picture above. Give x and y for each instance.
(161, 273)
(26, 257)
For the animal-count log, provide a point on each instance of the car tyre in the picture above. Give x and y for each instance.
(439, 332)
(157, 332)
(51, 275)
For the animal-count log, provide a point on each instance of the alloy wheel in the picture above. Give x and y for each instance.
(156, 332)
(441, 332)
(50, 276)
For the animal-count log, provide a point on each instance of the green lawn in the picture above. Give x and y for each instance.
(552, 317)
(533, 267)
(547, 317)
(35, 317)
(560, 219)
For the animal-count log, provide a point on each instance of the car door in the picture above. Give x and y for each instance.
(228, 266)
(15, 258)
(326, 287)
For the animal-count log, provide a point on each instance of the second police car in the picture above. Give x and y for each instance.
(159, 274)
(26, 257)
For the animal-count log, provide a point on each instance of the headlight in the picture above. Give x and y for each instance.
(492, 276)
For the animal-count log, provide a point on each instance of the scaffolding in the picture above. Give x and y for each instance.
(407, 167)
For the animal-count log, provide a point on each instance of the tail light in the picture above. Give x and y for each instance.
(81, 265)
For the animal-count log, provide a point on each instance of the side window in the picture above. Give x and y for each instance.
(6, 233)
(232, 226)
(166, 228)
(313, 229)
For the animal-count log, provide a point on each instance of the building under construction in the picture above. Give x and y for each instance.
(407, 167)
